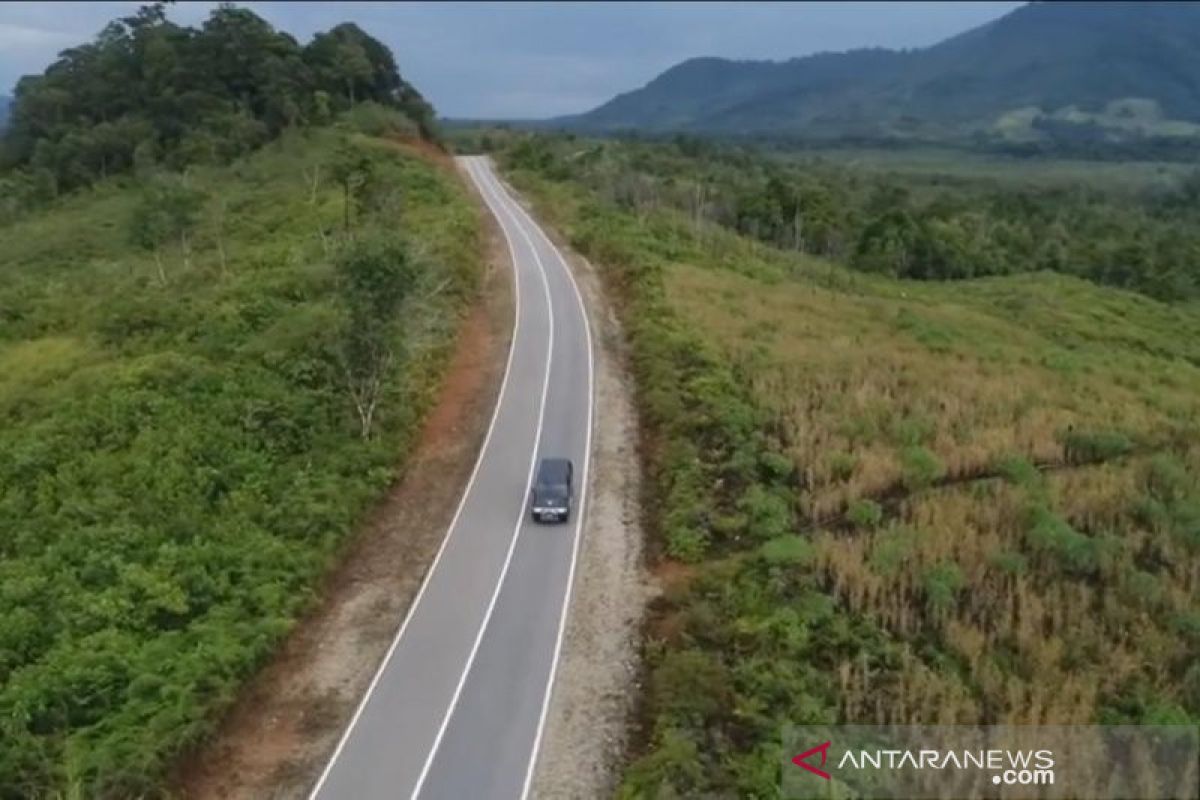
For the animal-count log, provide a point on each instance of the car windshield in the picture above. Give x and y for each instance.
(552, 495)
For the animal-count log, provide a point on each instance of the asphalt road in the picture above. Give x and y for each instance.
(458, 705)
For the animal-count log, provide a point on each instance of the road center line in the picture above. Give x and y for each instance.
(520, 514)
(512, 346)
(587, 457)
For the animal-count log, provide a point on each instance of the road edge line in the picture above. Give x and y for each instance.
(512, 346)
(512, 546)
(566, 604)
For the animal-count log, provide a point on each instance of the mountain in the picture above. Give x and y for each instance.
(5, 102)
(1080, 67)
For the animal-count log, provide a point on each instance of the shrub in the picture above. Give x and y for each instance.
(1009, 562)
(865, 513)
(912, 430)
(1075, 552)
(691, 687)
(920, 468)
(1083, 447)
(842, 465)
(1185, 523)
(1167, 478)
(892, 549)
(1018, 471)
(374, 119)
(786, 550)
(941, 583)
(673, 768)
(768, 513)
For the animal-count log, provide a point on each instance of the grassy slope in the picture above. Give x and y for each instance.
(181, 462)
(994, 483)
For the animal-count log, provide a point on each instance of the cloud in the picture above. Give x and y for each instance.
(20, 37)
(534, 59)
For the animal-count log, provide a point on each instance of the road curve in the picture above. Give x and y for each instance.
(457, 708)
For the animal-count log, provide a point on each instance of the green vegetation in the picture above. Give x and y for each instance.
(877, 499)
(926, 225)
(206, 375)
(921, 164)
(186, 443)
(147, 91)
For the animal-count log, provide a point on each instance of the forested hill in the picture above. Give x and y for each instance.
(1082, 70)
(5, 101)
(149, 91)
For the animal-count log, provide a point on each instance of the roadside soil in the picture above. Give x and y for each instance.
(597, 685)
(277, 737)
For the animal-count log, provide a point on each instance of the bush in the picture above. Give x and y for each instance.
(1167, 478)
(768, 513)
(865, 513)
(786, 550)
(1018, 471)
(1077, 553)
(941, 583)
(842, 465)
(920, 468)
(1009, 562)
(892, 549)
(373, 119)
(1083, 447)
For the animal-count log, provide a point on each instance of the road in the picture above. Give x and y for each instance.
(457, 708)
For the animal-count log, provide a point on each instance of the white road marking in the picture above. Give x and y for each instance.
(587, 457)
(462, 680)
(454, 520)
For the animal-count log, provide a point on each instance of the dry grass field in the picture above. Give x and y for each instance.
(882, 500)
(1001, 470)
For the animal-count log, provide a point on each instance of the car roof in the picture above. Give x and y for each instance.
(551, 468)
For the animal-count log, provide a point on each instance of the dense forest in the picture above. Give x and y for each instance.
(147, 91)
(214, 357)
(931, 227)
(877, 499)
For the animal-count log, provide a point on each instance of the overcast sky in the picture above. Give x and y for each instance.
(514, 60)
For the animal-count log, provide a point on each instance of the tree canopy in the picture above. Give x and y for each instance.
(148, 89)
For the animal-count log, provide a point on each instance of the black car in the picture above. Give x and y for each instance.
(553, 490)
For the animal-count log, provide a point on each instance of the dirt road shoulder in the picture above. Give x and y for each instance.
(281, 730)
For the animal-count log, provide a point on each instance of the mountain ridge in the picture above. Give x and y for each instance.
(1042, 69)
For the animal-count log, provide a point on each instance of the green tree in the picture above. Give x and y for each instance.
(375, 275)
(351, 168)
(168, 211)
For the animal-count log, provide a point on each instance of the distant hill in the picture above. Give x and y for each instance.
(1089, 69)
(5, 102)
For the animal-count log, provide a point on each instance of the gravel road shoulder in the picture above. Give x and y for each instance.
(584, 743)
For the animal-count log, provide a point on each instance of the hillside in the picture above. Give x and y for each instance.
(217, 344)
(5, 103)
(183, 454)
(1064, 70)
(880, 500)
